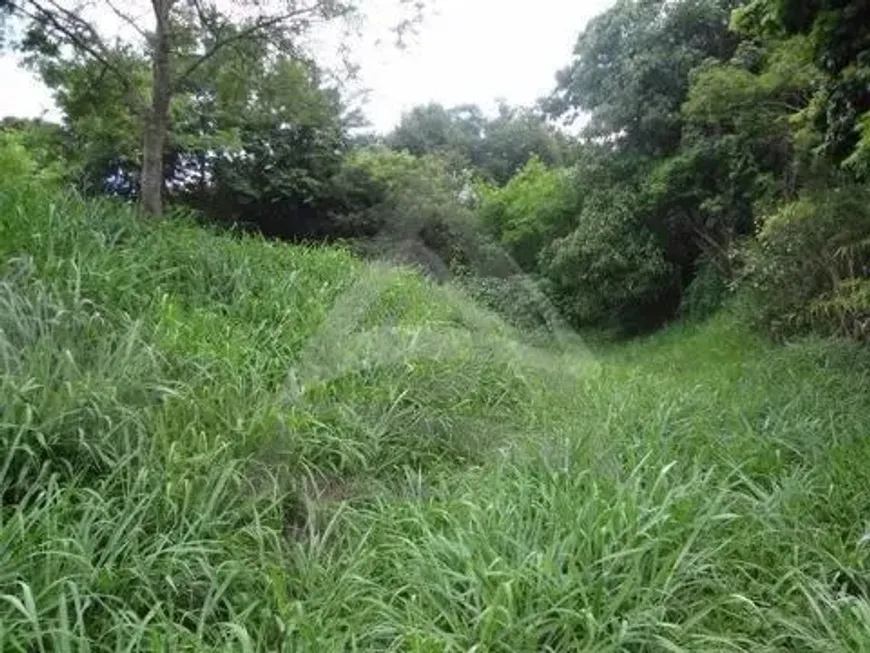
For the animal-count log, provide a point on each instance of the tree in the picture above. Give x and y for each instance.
(103, 128)
(254, 140)
(278, 176)
(838, 33)
(808, 265)
(670, 194)
(631, 68)
(434, 129)
(536, 206)
(184, 37)
(515, 136)
(495, 147)
(610, 271)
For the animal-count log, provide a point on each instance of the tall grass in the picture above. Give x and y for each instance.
(214, 443)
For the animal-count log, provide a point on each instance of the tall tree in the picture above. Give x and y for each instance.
(630, 71)
(667, 197)
(253, 138)
(183, 37)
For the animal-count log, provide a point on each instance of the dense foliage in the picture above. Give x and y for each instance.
(725, 149)
(726, 144)
(211, 442)
(495, 147)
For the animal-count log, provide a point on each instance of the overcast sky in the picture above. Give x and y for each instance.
(466, 51)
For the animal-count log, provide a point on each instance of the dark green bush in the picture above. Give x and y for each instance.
(610, 272)
(422, 217)
(537, 205)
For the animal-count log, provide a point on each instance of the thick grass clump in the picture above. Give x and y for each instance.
(215, 443)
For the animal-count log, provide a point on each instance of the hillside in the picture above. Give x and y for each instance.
(215, 443)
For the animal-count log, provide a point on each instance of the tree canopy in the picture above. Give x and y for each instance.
(182, 43)
(496, 147)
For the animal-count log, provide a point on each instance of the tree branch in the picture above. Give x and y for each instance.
(207, 22)
(73, 19)
(43, 15)
(82, 36)
(241, 35)
(127, 19)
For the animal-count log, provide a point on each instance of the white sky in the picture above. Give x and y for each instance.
(466, 51)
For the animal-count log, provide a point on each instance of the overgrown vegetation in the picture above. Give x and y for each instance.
(388, 435)
(712, 125)
(218, 443)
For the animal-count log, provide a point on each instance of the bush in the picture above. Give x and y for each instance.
(422, 217)
(518, 299)
(21, 165)
(537, 205)
(610, 272)
(810, 264)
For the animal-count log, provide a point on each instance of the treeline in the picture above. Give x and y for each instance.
(724, 158)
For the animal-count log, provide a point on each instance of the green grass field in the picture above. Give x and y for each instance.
(213, 443)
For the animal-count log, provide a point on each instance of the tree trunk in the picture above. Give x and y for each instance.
(157, 123)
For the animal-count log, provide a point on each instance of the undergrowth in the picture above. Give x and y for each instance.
(215, 443)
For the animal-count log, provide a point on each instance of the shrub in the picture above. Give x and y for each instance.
(21, 165)
(422, 217)
(537, 205)
(810, 264)
(707, 291)
(516, 298)
(610, 271)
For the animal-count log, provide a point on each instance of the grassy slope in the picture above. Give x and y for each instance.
(220, 444)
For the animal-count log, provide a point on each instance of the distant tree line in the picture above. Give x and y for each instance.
(724, 158)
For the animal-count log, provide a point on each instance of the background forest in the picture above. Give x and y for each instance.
(724, 151)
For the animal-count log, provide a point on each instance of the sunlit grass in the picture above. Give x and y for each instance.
(215, 443)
